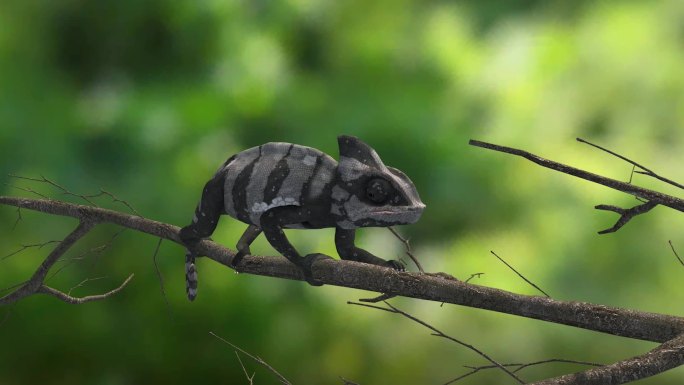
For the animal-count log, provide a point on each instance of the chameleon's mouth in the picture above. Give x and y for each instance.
(398, 215)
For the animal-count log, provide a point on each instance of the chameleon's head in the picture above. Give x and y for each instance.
(368, 193)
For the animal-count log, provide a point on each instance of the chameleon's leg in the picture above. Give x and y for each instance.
(243, 244)
(344, 241)
(203, 224)
(272, 222)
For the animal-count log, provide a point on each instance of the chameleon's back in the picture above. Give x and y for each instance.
(272, 175)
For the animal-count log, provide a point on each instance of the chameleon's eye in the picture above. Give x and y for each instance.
(378, 190)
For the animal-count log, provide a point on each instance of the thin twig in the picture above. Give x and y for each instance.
(520, 275)
(19, 218)
(519, 367)
(675, 253)
(250, 379)
(407, 245)
(80, 284)
(645, 171)
(28, 190)
(474, 275)
(161, 278)
(347, 382)
(44, 289)
(256, 359)
(24, 247)
(64, 190)
(438, 333)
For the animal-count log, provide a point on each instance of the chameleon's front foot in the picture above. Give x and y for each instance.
(306, 264)
(396, 265)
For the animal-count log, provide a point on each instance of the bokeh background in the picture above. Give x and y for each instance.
(146, 99)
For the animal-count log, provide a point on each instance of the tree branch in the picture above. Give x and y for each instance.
(665, 357)
(653, 197)
(432, 287)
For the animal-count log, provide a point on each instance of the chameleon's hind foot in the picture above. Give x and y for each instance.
(306, 264)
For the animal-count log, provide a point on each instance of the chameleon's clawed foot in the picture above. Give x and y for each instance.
(306, 264)
(396, 265)
(238, 257)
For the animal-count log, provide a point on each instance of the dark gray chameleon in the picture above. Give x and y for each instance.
(284, 185)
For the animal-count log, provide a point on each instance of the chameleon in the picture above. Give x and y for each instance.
(279, 185)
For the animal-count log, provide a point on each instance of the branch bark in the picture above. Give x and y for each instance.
(612, 320)
(653, 197)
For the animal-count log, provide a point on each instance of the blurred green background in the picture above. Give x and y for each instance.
(146, 98)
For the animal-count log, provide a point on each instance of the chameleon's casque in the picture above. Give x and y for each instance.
(284, 185)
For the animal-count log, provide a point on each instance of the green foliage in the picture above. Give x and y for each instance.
(146, 99)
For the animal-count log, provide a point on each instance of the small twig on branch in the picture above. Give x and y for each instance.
(28, 190)
(407, 245)
(380, 298)
(438, 333)
(80, 284)
(161, 278)
(625, 214)
(474, 275)
(24, 247)
(675, 252)
(19, 218)
(520, 275)
(64, 190)
(518, 367)
(652, 197)
(80, 300)
(664, 357)
(644, 170)
(250, 379)
(256, 359)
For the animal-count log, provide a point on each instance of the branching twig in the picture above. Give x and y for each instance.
(256, 359)
(518, 367)
(19, 218)
(474, 275)
(80, 300)
(80, 284)
(520, 275)
(625, 214)
(250, 379)
(644, 170)
(652, 197)
(675, 253)
(664, 357)
(407, 245)
(161, 278)
(24, 247)
(438, 333)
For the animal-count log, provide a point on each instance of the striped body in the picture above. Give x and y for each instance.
(283, 185)
(273, 175)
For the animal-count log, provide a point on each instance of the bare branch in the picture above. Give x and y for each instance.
(644, 170)
(36, 281)
(256, 359)
(664, 357)
(408, 248)
(649, 195)
(438, 333)
(675, 253)
(520, 275)
(44, 289)
(519, 367)
(625, 214)
(19, 218)
(432, 287)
